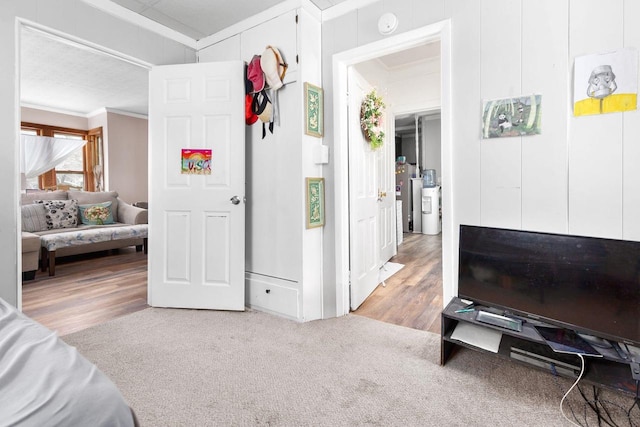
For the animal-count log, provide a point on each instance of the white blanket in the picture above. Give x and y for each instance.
(45, 382)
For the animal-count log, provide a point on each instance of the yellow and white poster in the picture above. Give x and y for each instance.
(605, 83)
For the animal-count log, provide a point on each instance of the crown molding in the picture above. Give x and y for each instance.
(94, 113)
(141, 21)
(54, 110)
(105, 110)
(344, 8)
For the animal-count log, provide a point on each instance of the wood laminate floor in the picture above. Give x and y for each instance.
(94, 288)
(87, 290)
(413, 296)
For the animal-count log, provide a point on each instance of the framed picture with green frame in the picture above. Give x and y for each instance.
(313, 110)
(314, 202)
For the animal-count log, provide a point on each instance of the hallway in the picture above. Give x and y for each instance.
(413, 296)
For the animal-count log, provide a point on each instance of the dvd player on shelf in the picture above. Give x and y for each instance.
(544, 362)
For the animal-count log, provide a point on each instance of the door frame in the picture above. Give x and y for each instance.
(67, 38)
(341, 61)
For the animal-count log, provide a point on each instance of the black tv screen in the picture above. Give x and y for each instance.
(589, 284)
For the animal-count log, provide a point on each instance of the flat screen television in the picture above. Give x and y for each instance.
(588, 284)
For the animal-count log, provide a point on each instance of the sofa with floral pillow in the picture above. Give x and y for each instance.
(76, 222)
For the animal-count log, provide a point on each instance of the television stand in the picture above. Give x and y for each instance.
(527, 347)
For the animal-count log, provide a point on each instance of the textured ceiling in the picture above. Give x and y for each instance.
(63, 76)
(58, 75)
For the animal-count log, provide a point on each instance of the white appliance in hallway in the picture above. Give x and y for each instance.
(416, 208)
(431, 223)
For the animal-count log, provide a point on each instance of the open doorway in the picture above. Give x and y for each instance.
(67, 83)
(410, 293)
(398, 45)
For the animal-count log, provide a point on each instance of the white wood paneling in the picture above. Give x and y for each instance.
(501, 193)
(426, 12)
(595, 142)
(279, 32)
(501, 78)
(309, 33)
(338, 35)
(544, 156)
(631, 136)
(367, 26)
(226, 50)
(465, 186)
(274, 225)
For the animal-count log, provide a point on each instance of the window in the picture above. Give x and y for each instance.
(77, 170)
(70, 172)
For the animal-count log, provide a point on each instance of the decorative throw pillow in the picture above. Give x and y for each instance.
(61, 213)
(96, 214)
(34, 218)
(92, 198)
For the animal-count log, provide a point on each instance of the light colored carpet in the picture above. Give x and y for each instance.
(388, 270)
(209, 368)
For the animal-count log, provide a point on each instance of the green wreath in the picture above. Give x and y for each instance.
(371, 112)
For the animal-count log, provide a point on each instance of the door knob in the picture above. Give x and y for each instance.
(235, 200)
(381, 194)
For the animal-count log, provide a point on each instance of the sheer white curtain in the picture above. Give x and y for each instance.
(42, 153)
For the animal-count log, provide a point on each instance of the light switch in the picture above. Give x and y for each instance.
(321, 154)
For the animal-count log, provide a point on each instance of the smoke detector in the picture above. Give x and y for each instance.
(387, 24)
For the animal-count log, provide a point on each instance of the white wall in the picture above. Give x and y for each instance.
(431, 156)
(42, 117)
(578, 175)
(127, 157)
(80, 20)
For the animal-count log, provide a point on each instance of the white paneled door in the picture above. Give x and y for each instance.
(369, 196)
(197, 221)
(387, 194)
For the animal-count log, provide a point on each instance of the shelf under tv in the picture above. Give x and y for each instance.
(528, 348)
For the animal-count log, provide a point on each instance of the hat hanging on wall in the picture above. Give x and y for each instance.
(273, 66)
(255, 76)
(263, 109)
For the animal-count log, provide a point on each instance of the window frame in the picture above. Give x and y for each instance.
(91, 155)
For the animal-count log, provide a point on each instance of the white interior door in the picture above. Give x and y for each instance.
(364, 163)
(197, 222)
(387, 193)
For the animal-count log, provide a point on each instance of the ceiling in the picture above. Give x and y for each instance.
(59, 75)
(201, 18)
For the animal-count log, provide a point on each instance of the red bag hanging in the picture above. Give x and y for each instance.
(249, 116)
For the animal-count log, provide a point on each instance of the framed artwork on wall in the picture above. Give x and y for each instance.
(518, 116)
(314, 202)
(313, 110)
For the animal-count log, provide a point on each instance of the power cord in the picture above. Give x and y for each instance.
(599, 406)
(604, 409)
(569, 391)
(636, 404)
